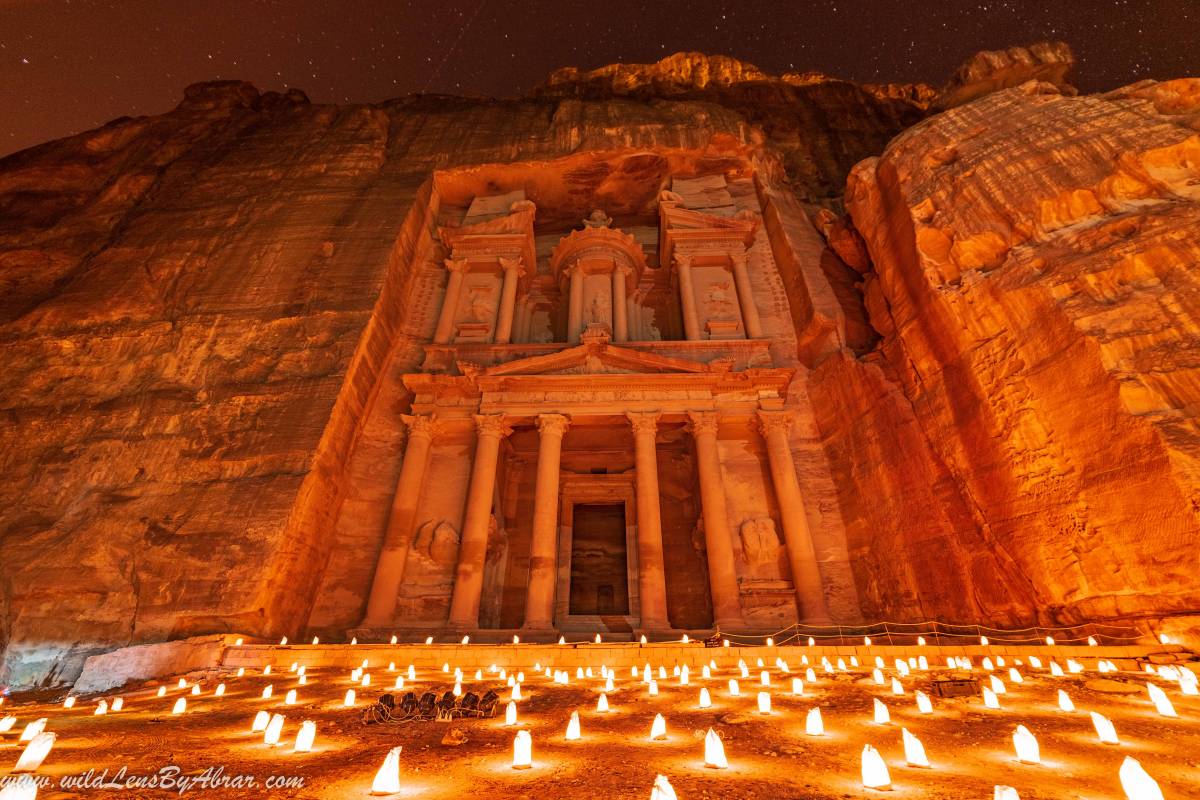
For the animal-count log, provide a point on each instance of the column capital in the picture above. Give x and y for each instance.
(456, 265)
(771, 421)
(426, 425)
(683, 260)
(701, 422)
(514, 264)
(553, 424)
(644, 421)
(496, 425)
(740, 258)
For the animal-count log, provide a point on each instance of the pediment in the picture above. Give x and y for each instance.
(600, 358)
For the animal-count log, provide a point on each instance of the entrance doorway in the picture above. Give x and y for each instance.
(599, 560)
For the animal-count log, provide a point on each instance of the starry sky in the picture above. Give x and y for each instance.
(71, 65)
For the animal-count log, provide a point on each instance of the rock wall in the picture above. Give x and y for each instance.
(1029, 415)
(199, 310)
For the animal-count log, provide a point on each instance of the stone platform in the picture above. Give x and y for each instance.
(222, 652)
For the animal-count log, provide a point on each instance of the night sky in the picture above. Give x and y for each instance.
(71, 65)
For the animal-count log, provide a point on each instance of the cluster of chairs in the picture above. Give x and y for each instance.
(430, 707)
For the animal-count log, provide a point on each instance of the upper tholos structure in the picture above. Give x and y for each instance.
(658, 348)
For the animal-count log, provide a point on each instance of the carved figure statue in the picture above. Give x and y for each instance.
(760, 542)
(718, 300)
(597, 219)
(437, 541)
(481, 305)
(598, 308)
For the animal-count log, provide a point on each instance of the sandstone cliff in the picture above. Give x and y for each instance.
(1023, 441)
(204, 314)
(197, 310)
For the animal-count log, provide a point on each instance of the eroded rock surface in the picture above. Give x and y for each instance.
(198, 309)
(1023, 442)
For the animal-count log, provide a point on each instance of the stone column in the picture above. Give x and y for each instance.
(508, 299)
(575, 307)
(687, 297)
(810, 596)
(722, 573)
(472, 550)
(445, 325)
(543, 546)
(741, 279)
(652, 581)
(620, 320)
(389, 569)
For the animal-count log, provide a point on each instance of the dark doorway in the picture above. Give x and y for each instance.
(599, 562)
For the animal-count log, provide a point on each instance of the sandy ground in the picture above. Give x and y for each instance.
(969, 746)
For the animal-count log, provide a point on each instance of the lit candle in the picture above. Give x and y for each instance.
(394, 639)
(22, 787)
(274, 730)
(349, 700)
(261, 720)
(573, 733)
(466, 640)
(220, 690)
(897, 688)
(522, 750)
(658, 728)
(662, 789)
(1026, 745)
(997, 685)
(923, 704)
(602, 704)
(811, 641)
(914, 751)
(1005, 793)
(180, 706)
(69, 702)
(797, 686)
(387, 779)
(182, 683)
(874, 771)
(813, 724)
(764, 702)
(810, 675)
(35, 752)
(7, 723)
(267, 691)
(877, 675)
(162, 690)
(515, 694)
(882, 717)
(290, 698)
(654, 688)
(1064, 702)
(920, 641)
(990, 699)
(1137, 783)
(33, 729)
(1104, 728)
(241, 671)
(510, 714)
(714, 751)
(306, 737)
(283, 641)
(1162, 703)
(734, 691)
(428, 640)
(987, 664)
(683, 676)
(101, 708)
(412, 672)
(643, 639)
